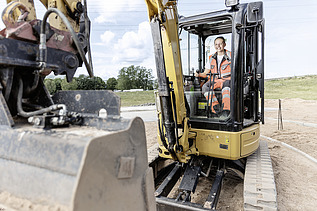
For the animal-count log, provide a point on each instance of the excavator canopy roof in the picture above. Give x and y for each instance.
(207, 24)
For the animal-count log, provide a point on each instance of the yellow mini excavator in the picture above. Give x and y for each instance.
(203, 139)
(71, 151)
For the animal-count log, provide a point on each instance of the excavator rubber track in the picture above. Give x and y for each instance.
(259, 184)
(259, 192)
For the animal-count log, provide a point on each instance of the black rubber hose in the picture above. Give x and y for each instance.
(87, 34)
(22, 113)
(71, 30)
(161, 134)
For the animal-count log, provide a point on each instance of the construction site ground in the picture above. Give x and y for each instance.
(295, 174)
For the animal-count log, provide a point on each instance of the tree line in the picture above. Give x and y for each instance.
(132, 77)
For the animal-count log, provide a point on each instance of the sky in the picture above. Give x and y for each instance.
(120, 34)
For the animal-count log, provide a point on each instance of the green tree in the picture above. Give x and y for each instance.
(98, 83)
(87, 83)
(135, 78)
(112, 83)
(81, 82)
(155, 84)
(126, 78)
(58, 83)
(145, 78)
(50, 85)
(69, 86)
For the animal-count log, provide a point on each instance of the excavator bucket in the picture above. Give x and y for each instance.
(79, 154)
(76, 167)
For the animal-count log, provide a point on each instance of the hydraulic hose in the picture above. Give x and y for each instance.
(22, 113)
(34, 85)
(43, 56)
(87, 34)
(161, 134)
(175, 120)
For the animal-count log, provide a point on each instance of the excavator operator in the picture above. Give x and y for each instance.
(220, 67)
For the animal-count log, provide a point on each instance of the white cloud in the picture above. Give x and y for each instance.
(108, 12)
(134, 47)
(107, 37)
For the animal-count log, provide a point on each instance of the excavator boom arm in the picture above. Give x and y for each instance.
(163, 18)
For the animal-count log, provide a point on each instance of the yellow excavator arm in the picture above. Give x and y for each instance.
(172, 110)
(166, 14)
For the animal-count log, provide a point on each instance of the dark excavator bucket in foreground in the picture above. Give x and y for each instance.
(76, 167)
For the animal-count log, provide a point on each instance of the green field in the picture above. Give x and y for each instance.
(136, 98)
(304, 87)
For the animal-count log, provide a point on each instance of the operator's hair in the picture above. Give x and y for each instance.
(221, 37)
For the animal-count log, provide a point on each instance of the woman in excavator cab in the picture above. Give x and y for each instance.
(218, 70)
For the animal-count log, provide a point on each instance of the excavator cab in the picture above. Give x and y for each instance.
(246, 61)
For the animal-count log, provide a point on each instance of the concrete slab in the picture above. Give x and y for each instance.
(147, 113)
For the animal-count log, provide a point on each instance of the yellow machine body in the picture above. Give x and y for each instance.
(192, 141)
(220, 144)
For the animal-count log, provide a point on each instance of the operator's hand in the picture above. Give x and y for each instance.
(197, 73)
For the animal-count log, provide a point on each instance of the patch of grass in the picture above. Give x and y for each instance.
(304, 87)
(136, 98)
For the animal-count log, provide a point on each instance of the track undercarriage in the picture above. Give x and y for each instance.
(200, 184)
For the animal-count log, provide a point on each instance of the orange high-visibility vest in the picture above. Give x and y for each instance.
(224, 75)
(225, 66)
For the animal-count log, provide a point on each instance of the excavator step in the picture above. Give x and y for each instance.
(259, 184)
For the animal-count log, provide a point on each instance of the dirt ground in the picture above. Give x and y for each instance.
(295, 175)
